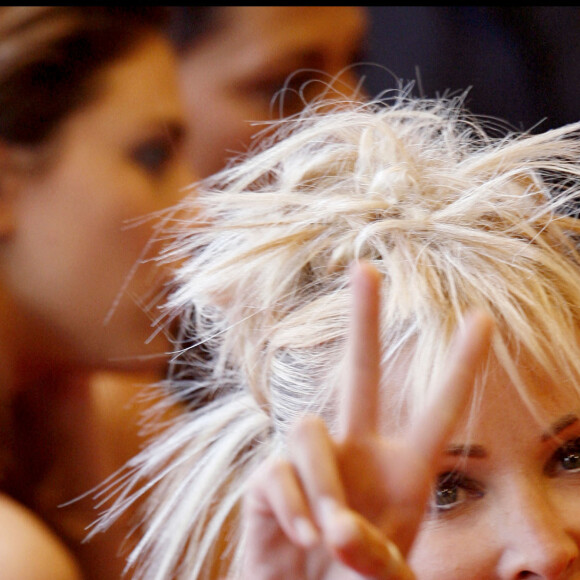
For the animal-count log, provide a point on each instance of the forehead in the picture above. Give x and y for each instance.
(145, 79)
(507, 425)
(131, 97)
(534, 394)
(284, 27)
(296, 17)
(503, 403)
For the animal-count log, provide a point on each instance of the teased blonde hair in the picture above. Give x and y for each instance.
(452, 215)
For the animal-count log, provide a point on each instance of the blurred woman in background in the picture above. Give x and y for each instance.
(91, 128)
(243, 66)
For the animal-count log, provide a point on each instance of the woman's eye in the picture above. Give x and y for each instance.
(287, 94)
(568, 456)
(153, 155)
(452, 489)
(275, 93)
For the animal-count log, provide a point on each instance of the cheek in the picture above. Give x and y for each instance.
(84, 243)
(451, 551)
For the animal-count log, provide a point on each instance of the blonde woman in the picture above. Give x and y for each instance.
(429, 429)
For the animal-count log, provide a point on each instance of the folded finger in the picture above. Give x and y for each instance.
(312, 453)
(277, 493)
(361, 546)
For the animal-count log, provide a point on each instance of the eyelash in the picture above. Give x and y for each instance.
(292, 90)
(452, 483)
(565, 458)
(284, 89)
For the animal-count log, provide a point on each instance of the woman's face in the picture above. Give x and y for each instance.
(507, 502)
(80, 224)
(230, 77)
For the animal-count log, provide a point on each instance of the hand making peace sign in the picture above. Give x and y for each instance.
(349, 507)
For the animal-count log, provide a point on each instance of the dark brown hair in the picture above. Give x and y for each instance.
(49, 55)
(188, 24)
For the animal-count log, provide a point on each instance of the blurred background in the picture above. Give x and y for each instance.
(522, 63)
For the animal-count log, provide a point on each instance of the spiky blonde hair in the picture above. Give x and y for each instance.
(453, 216)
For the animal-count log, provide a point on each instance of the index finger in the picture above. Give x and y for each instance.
(435, 424)
(359, 404)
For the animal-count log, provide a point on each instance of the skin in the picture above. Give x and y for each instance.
(364, 504)
(23, 532)
(518, 514)
(61, 267)
(230, 77)
(72, 231)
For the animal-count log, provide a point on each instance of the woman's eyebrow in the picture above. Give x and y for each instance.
(559, 425)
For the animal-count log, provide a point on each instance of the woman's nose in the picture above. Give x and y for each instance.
(539, 542)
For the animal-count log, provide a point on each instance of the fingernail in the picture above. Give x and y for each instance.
(395, 554)
(329, 510)
(305, 531)
(339, 527)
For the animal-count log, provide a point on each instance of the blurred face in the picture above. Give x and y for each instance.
(507, 502)
(230, 77)
(80, 221)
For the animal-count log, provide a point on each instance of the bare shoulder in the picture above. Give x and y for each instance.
(29, 550)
